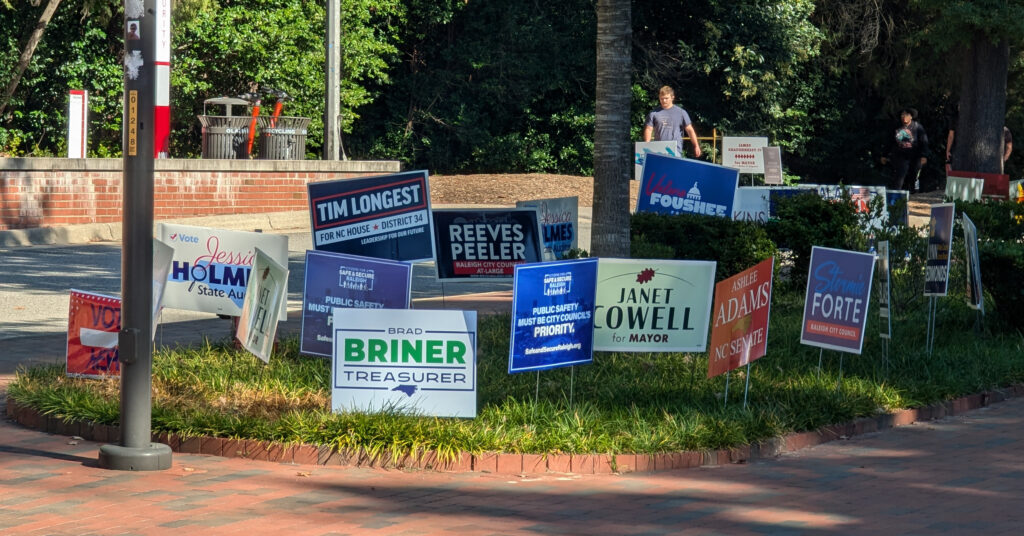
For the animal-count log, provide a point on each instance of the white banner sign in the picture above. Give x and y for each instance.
(419, 361)
(211, 267)
(644, 148)
(744, 154)
(267, 290)
(78, 123)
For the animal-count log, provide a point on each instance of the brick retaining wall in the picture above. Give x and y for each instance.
(46, 192)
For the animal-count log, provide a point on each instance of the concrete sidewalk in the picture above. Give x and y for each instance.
(961, 475)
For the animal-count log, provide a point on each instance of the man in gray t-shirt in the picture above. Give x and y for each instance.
(669, 122)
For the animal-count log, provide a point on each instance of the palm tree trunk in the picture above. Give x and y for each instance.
(26, 54)
(979, 130)
(613, 164)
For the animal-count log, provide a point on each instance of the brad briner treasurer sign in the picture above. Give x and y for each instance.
(552, 315)
(384, 216)
(837, 299)
(350, 281)
(647, 305)
(684, 186)
(418, 361)
(211, 267)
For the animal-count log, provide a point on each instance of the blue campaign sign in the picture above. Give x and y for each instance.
(350, 282)
(485, 243)
(384, 216)
(553, 315)
(837, 299)
(682, 186)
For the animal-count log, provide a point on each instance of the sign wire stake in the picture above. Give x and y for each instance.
(746, 389)
(821, 352)
(726, 403)
(572, 377)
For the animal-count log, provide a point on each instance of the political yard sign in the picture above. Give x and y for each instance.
(552, 315)
(739, 332)
(210, 269)
(384, 216)
(349, 281)
(974, 295)
(683, 186)
(744, 153)
(559, 224)
(646, 305)
(836, 303)
(884, 313)
(415, 361)
(644, 148)
(940, 238)
(267, 290)
(485, 243)
(94, 321)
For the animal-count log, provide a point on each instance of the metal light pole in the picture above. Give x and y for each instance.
(332, 78)
(137, 452)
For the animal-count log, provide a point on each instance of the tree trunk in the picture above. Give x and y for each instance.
(613, 155)
(26, 54)
(979, 131)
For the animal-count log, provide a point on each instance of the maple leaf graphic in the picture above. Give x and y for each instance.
(645, 275)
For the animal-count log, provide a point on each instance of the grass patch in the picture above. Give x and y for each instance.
(623, 403)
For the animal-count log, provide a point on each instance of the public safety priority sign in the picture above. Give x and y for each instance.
(837, 299)
(552, 315)
(417, 361)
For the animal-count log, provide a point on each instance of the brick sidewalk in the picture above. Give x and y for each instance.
(961, 475)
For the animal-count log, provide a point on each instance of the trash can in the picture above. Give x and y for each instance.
(225, 136)
(283, 138)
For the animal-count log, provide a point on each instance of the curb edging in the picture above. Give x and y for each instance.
(511, 463)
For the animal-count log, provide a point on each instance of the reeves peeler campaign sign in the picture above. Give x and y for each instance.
(838, 294)
(419, 361)
(349, 281)
(552, 315)
(683, 186)
(647, 305)
(210, 269)
(385, 216)
(94, 321)
(485, 243)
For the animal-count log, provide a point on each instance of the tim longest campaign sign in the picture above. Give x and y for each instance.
(386, 216)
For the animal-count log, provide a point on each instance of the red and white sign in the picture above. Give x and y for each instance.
(162, 104)
(744, 154)
(743, 304)
(78, 123)
(94, 321)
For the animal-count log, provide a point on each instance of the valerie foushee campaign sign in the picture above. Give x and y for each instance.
(647, 305)
(485, 243)
(417, 361)
(552, 315)
(211, 267)
(836, 303)
(385, 216)
(739, 333)
(683, 186)
(339, 280)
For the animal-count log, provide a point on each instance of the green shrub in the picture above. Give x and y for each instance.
(735, 245)
(807, 220)
(996, 220)
(1002, 263)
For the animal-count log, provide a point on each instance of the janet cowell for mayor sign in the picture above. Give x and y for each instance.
(416, 361)
(647, 305)
(684, 186)
(837, 299)
(385, 216)
(485, 243)
(552, 315)
(211, 267)
(349, 281)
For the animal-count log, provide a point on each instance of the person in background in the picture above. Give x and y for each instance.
(1007, 147)
(669, 121)
(909, 150)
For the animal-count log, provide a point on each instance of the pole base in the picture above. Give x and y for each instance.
(155, 457)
